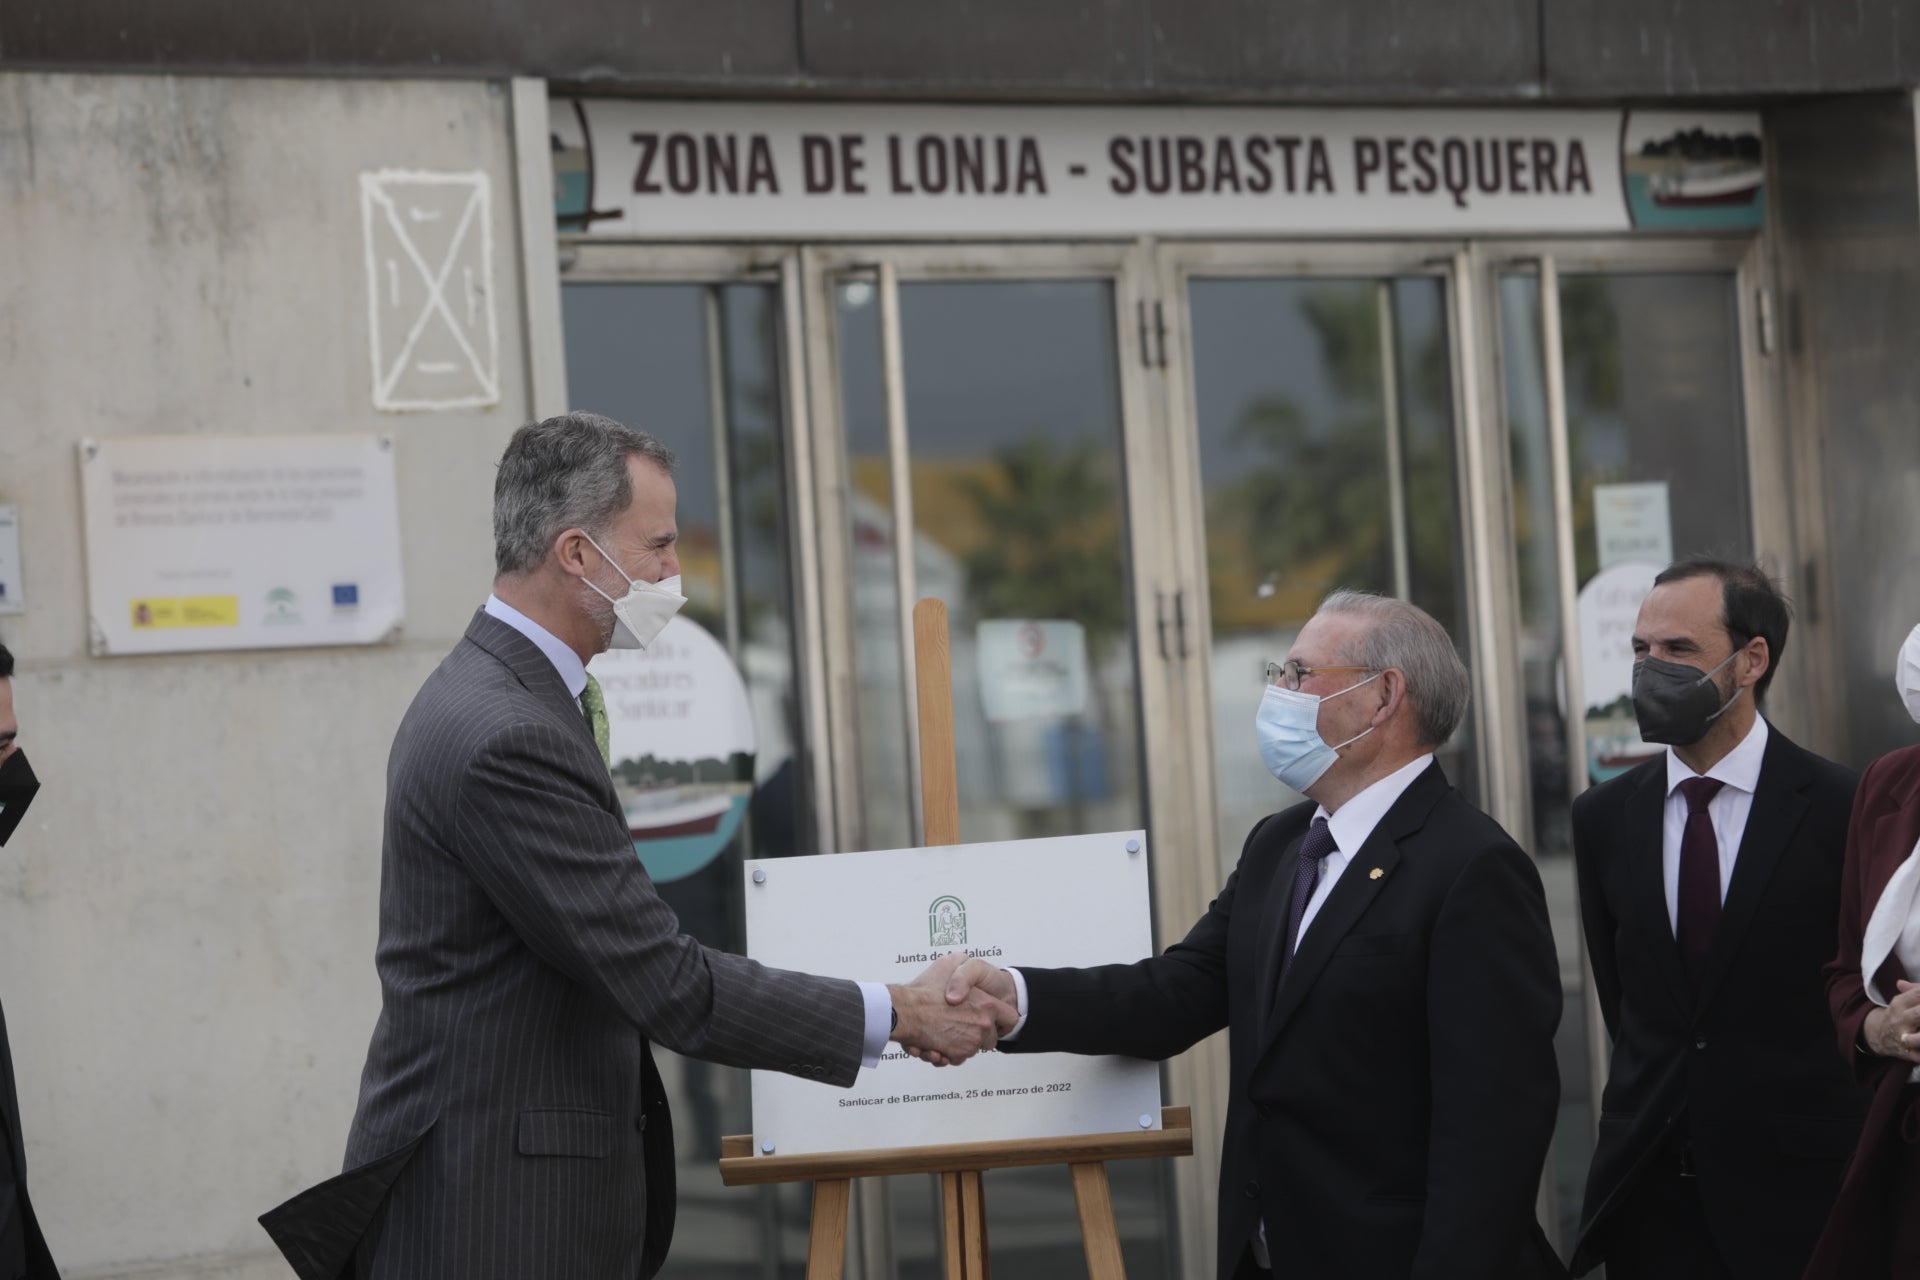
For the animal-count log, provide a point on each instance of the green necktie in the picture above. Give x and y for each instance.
(594, 704)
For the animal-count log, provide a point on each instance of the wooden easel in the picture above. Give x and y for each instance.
(960, 1165)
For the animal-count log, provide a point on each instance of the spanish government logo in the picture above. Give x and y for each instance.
(947, 923)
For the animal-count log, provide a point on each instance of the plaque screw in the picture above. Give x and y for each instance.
(1133, 846)
(766, 1148)
(759, 875)
(1146, 1121)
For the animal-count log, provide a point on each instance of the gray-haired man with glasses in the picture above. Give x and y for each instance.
(1382, 961)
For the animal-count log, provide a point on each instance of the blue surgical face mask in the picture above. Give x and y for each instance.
(1288, 725)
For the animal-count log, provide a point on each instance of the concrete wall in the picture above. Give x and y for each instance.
(1566, 50)
(187, 918)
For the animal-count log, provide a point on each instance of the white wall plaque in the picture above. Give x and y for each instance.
(883, 917)
(240, 542)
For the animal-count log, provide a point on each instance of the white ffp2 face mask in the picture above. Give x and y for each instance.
(644, 610)
(1906, 673)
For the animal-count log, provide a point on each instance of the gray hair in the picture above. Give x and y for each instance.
(1406, 637)
(565, 473)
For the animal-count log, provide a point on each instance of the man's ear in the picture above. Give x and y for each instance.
(1759, 660)
(1394, 681)
(570, 551)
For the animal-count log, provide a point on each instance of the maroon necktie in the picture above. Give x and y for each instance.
(1699, 878)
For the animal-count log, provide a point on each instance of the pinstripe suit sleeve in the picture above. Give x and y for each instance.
(537, 836)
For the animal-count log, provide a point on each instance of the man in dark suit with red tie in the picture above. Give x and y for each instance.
(1710, 895)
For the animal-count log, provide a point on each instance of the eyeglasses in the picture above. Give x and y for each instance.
(1291, 672)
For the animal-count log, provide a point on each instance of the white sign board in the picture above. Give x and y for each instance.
(700, 170)
(1632, 524)
(12, 593)
(240, 542)
(1032, 670)
(884, 917)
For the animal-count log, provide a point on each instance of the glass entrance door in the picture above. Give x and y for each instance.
(1624, 390)
(1499, 434)
(701, 361)
(980, 438)
(1315, 420)
(1321, 421)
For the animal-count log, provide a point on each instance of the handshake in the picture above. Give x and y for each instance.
(959, 1006)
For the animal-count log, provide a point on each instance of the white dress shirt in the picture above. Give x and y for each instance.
(1739, 769)
(879, 1002)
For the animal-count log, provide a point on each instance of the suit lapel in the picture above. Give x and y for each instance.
(529, 666)
(1274, 917)
(534, 670)
(1647, 873)
(1779, 802)
(1353, 893)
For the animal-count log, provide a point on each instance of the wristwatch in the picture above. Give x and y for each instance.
(896, 1022)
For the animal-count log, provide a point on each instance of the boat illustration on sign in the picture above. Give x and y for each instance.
(1734, 182)
(1690, 169)
(656, 813)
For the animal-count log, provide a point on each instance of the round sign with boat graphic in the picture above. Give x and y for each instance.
(681, 737)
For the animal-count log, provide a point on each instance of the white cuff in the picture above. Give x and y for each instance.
(879, 1022)
(1020, 1002)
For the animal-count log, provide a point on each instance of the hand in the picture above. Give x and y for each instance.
(972, 983)
(977, 975)
(1894, 1032)
(942, 1031)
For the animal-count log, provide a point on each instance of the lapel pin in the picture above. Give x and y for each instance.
(1375, 874)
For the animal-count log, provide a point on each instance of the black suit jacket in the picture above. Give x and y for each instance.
(1391, 1103)
(23, 1252)
(511, 1123)
(1745, 1068)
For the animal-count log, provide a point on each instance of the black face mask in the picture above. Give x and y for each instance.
(17, 785)
(1676, 704)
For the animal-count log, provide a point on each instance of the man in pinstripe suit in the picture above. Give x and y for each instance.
(511, 1123)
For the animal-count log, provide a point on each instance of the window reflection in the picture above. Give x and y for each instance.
(1325, 422)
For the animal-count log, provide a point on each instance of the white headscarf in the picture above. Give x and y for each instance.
(1906, 673)
(1895, 926)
